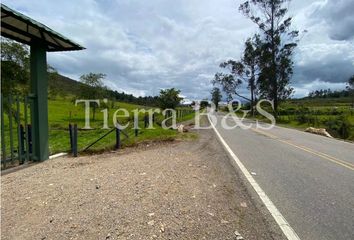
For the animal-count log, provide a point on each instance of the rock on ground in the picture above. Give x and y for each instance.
(318, 131)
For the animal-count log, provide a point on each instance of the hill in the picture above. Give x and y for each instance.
(64, 86)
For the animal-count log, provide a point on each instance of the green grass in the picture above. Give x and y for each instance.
(335, 115)
(62, 112)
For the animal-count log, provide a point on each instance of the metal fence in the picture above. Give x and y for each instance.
(16, 131)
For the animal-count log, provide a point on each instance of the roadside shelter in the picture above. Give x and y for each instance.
(41, 40)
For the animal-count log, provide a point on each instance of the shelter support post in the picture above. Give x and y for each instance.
(39, 93)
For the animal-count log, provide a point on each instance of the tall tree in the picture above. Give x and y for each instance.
(350, 88)
(93, 88)
(228, 81)
(15, 70)
(14, 67)
(351, 83)
(251, 69)
(169, 98)
(246, 70)
(216, 97)
(278, 44)
(204, 103)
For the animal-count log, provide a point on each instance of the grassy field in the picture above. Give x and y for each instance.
(335, 115)
(62, 112)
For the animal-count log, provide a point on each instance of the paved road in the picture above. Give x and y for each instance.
(309, 178)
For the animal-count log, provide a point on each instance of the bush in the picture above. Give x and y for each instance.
(335, 111)
(287, 111)
(339, 126)
(301, 118)
(283, 119)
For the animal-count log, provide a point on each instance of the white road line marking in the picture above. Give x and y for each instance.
(278, 217)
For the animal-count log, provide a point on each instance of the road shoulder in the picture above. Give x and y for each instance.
(182, 190)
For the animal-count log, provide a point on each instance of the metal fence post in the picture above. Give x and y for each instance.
(19, 137)
(11, 131)
(117, 139)
(3, 145)
(26, 126)
(75, 141)
(22, 144)
(71, 136)
(29, 140)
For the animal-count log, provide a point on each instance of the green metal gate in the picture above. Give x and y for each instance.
(16, 131)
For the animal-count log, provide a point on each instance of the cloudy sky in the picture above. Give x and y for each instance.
(144, 46)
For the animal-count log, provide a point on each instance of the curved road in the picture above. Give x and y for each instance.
(309, 178)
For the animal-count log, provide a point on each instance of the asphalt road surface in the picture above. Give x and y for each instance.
(309, 178)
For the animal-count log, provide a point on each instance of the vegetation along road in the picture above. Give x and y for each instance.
(309, 178)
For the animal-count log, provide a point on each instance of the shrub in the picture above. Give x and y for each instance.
(301, 118)
(287, 111)
(283, 119)
(339, 126)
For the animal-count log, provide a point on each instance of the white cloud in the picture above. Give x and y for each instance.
(143, 46)
(304, 89)
(339, 18)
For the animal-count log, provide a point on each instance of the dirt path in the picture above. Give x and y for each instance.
(183, 190)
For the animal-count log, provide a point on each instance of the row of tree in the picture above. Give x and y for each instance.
(266, 64)
(328, 93)
(15, 74)
(93, 88)
(350, 87)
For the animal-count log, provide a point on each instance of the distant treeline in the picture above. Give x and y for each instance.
(328, 93)
(129, 98)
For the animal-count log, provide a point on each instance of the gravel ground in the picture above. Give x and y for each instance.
(178, 190)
